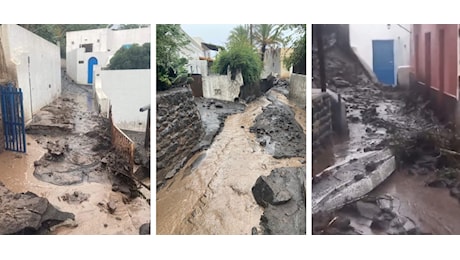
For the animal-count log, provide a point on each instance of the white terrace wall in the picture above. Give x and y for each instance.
(298, 89)
(222, 87)
(36, 65)
(127, 91)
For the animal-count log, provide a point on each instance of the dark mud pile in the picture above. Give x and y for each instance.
(278, 131)
(282, 194)
(78, 143)
(26, 213)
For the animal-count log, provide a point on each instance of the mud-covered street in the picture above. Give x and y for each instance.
(415, 198)
(71, 163)
(213, 192)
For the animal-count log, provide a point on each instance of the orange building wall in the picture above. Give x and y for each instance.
(419, 59)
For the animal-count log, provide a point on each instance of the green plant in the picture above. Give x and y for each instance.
(170, 65)
(299, 55)
(131, 57)
(239, 57)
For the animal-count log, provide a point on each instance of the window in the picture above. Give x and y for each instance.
(88, 47)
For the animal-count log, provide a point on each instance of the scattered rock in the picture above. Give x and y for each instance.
(359, 176)
(144, 229)
(370, 167)
(111, 206)
(367, 210)
(76, 197)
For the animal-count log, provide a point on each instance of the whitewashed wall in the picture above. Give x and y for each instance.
(222, 87)
(361, 36)
(105, 42)
(36, 64)
(127, 91)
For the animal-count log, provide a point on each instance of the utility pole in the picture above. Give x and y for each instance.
(250, 33)
(319, 44)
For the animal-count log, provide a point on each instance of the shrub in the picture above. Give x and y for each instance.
(242, 58)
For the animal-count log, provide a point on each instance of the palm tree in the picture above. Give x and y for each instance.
(239, 35)
(268, 36)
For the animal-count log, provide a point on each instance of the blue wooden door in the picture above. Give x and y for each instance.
(13, 118)
(91, 62)
(383, 61)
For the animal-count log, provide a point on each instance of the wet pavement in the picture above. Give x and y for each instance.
(212, 194)
(103, 211)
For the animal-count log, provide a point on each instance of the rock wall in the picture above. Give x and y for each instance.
(179, 129)
(322, 123)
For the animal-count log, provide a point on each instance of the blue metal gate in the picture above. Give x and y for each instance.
(13, 118)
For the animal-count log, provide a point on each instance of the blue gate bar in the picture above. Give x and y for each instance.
(13, 118)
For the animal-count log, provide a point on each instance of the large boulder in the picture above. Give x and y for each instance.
(26, 213)
(283, 196)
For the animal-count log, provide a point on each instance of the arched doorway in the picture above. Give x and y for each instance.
(91, 62)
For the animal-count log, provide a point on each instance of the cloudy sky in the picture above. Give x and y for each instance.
(210, 33)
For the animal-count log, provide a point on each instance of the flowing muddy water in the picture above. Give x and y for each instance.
(432, 209)
(91, 215)
(212, 192)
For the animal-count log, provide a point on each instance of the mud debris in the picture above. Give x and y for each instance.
(75, 197)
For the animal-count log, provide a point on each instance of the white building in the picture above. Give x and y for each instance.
(34, 65)
(383, 48)
(199, 55)
(85, 49)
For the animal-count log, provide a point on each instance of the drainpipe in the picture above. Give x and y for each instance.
(147, 128)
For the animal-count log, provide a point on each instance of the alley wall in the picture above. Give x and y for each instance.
(36, 65)
(127, 91)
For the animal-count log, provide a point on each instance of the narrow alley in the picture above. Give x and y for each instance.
(389, 174)
(71, 163)
(212, 194)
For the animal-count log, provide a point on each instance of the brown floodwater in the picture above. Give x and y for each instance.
(212, 193)
(16, 172)
(433, 209)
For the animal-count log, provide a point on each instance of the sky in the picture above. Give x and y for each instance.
(210, 33)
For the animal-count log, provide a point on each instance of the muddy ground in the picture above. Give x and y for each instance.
(78, 157)
(381, 116)
(212, 193)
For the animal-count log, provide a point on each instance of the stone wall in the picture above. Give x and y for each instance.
(179, 129)
(322, 122)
